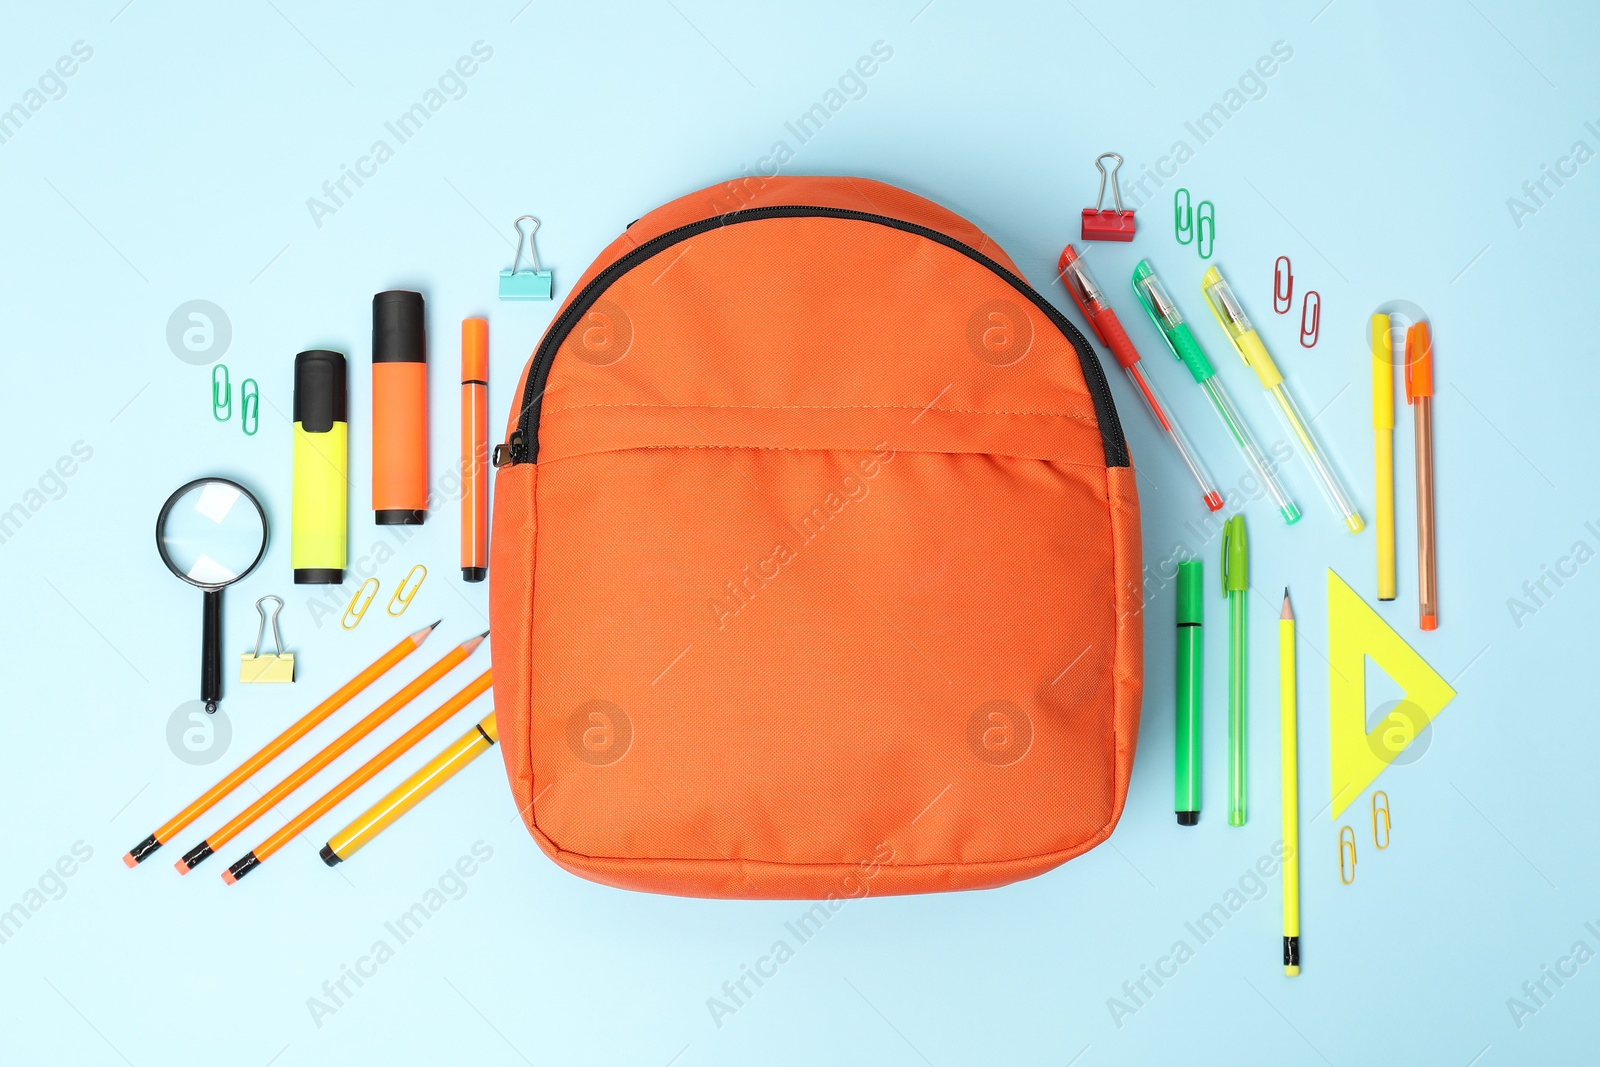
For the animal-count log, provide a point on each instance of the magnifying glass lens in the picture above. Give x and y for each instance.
(212, 534)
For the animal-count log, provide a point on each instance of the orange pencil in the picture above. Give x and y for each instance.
(474, 449)
(362, 775)
(276, 746)
(306, 771)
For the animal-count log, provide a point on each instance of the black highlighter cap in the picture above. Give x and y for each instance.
(320, 394)
(397, 335)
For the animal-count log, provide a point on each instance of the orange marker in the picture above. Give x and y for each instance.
(342, 744)
(399, 410)
(361, 776)
(474, 449)
(1419, 394)
(277, 746)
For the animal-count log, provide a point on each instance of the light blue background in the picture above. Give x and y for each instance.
(177, 166)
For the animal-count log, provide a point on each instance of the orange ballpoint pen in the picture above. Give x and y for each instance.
(1419, 394)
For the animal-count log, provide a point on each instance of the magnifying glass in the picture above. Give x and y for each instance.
(211, 533)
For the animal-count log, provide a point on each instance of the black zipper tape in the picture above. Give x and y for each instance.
(524, 445)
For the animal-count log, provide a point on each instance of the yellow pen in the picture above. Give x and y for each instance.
(1236, 324)
(405, 796)
(1383, 449)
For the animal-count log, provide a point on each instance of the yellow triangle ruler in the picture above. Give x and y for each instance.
(1355, 632)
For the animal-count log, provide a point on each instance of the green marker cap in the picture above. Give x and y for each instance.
(1235, 556)
(1191, 586)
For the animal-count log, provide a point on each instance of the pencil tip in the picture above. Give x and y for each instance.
(1287, 612)
(422, 634)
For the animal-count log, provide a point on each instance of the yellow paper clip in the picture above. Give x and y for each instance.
(407, 590)
(1347, 847)
(276, 666)
(358, 606)
(1376, 811)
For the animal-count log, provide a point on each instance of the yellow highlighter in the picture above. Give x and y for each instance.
(321, 478)
(1383, 449)
(1230, 315)
(409, 793)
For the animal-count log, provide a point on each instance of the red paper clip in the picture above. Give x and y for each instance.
(1308, 327)
(1115, 225)
(1282, 286)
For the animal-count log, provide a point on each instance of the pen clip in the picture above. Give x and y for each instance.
(1227, 538)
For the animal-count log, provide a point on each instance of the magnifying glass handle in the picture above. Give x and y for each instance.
(211, 652)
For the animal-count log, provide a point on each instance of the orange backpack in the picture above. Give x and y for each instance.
(816, 559)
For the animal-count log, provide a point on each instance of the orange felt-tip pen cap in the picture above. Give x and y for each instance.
(399, 410)
(1419, 362)
(474, 350)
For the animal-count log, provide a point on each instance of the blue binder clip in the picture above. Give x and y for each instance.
(532, 284)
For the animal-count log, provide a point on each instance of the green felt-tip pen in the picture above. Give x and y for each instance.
(1191, 684)
(1235, 583)
(1169, 320)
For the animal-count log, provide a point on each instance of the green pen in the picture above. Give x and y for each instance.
(1235, 582)
(1169, 320)
(1190, 685)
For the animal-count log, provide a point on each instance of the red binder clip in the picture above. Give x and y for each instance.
(1100, 225)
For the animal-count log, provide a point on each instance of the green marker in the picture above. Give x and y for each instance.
(1235, 583)
(1164, 313)
(1191, 617)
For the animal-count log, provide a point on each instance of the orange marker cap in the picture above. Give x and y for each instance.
(1419, 362)
(474, 350)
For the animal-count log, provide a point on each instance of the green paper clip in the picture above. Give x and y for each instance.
(532, 284)
(221, 393)
(249, 407)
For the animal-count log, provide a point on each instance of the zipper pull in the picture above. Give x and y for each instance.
(506, 453)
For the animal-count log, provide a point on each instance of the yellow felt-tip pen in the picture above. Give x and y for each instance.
(1236, 324)
(1291, 791)
(411, 792)
(1383, 449)
(321, 476)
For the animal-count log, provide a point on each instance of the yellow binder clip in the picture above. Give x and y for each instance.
(1380, 841)
(407, 590)
(359, 604)
(1347, 853)
(275, 666)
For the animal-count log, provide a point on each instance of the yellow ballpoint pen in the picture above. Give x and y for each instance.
(1236, 324)
(1383, 449)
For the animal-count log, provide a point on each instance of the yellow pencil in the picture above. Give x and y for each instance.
(1291, 792)
(1383, 449)
(405, 796)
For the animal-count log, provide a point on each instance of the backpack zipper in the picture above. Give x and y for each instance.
(523, 446)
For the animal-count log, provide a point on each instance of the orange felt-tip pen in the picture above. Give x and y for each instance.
(474, 449)
(1419, 394)
(399, 410)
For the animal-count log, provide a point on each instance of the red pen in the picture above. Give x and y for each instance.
(1106, 327)
(474, 449)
